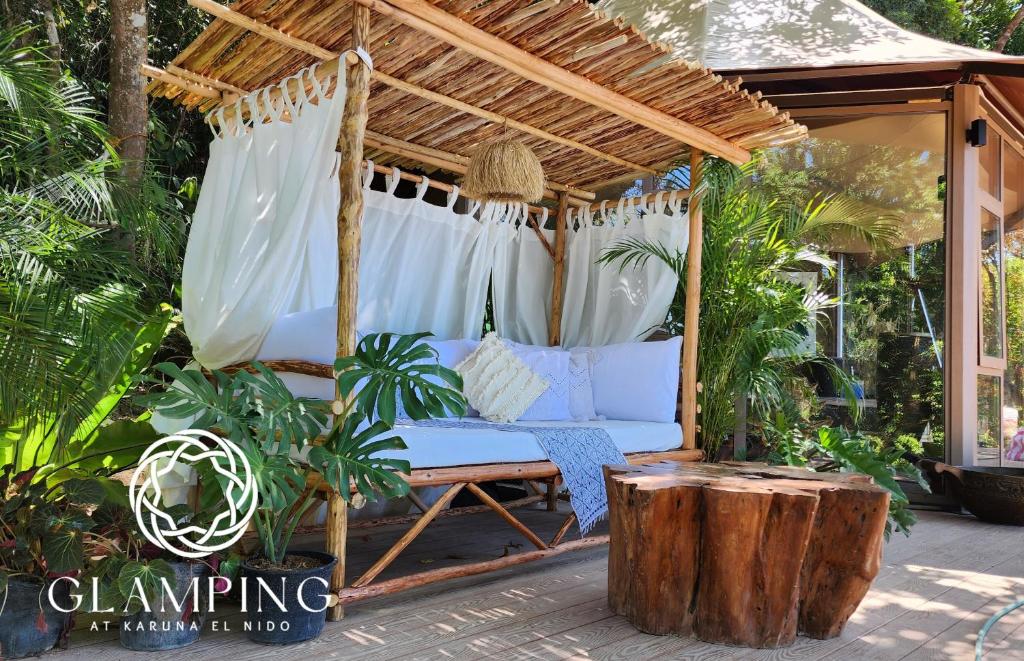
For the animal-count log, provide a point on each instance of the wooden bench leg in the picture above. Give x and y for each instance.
(552, 494)
(337, 534)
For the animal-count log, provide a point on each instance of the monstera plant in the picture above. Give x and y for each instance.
(276, 432)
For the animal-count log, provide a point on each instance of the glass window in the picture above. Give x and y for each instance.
(991, 274)
(888, 331)
(1013, 255)
(990, 420)
(988, 165)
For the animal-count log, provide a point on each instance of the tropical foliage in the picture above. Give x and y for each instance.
(754, 315)
(78, 316)
(796, 443)
(258, 412)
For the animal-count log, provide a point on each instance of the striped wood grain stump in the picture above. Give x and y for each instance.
(741, 554)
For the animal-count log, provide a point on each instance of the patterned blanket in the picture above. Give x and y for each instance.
(579, 452)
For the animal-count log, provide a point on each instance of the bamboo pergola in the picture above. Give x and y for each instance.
(595, 99)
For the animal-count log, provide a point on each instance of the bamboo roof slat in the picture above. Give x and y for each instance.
(452, 99)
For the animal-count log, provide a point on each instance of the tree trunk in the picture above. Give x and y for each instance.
(1008, 31)
(128, 111)
(49, 19)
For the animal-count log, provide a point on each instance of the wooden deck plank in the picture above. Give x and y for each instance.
(934, 592)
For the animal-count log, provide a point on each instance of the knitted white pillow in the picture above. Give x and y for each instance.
(497, 383)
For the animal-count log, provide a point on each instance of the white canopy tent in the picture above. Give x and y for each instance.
(737, 35)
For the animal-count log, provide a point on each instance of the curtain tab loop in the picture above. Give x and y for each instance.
(393, 179)
(453, 197)
(368, 174)
(422, 187)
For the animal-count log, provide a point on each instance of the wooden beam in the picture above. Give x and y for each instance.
(350, 219)
(228, 91)
(458, 163)
(691, 326)
(349, 595)
(558, 275)
(486, 499)
(439, 24)
(189, 86)
(262, 29)
(243, 21)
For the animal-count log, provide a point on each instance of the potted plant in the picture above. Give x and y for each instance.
(256, 411)
(43, 527)
(160, 597)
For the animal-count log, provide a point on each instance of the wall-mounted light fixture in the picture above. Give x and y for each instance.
(977, 135)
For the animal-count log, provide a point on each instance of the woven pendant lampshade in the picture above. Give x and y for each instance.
(504, 170)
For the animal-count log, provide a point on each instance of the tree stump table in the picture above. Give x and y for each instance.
(741, 554)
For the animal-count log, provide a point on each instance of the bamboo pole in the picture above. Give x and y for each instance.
(437, 23)
(350, 217)
(189, 86)
(457, 162)
(643, 199)
(241, 20)
(555, 325)
(691, 320)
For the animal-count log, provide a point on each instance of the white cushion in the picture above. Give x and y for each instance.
(553, 365)
(497, 383)
(581, 386)
(637, 380)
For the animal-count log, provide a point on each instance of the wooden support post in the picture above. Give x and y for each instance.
(552, 493)
(350, 218)
(555, 324)
(691, 325)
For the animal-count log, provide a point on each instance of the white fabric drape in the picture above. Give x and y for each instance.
(522, 278)
(604, 304)
(423, 267)
(270, 184)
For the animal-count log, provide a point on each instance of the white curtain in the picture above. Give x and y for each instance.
(269, 186)
(424, 267)
(604, 304)
(522, 278)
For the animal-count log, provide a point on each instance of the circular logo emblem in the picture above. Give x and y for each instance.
(187, 448)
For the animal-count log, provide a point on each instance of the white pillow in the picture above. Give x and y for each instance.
(637, 380)
(581, 386)
(552, 364)
(497, 383)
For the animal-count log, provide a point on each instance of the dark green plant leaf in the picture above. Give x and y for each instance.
(145, 576)
(83, 491)
(346, 458)
(386, 366)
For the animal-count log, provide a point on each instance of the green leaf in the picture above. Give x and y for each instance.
(386, 366)
(348, 456)
(82, 491)
(62, 544)
(148, 576)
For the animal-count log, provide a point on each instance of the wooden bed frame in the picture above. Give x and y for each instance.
(566, 78)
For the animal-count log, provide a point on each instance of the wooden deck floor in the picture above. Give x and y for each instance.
(934, 593)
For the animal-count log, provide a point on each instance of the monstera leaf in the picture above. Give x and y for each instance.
(283, 418)
(388, 366)
(346, 458)
(204, 405)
